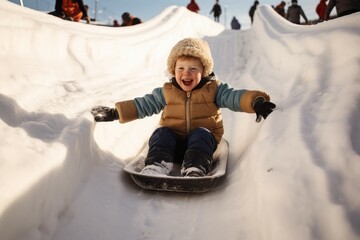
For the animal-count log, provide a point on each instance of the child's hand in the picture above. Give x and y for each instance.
(263, 108)
(104, 114)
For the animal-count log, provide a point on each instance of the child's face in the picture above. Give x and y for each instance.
(188, 72)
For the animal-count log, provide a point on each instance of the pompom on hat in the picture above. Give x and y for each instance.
(193, 47)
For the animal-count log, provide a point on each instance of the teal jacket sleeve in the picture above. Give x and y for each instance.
(150, 103)
(228, 97)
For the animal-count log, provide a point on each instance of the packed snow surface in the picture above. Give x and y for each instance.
(294, 176)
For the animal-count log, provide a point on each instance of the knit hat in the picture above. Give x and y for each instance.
(193, 47)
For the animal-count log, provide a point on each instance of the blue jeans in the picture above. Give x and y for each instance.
(194, 151)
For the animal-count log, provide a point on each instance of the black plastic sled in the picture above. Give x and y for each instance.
(175, 182)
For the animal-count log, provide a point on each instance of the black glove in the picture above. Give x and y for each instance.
(104, 114)
(263, 108)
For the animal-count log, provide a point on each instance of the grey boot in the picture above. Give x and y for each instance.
(196, 164)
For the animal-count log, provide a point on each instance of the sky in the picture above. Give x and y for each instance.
(293, 176)
(108, 10)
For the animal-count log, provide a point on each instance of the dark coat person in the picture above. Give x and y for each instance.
(129, 20)
(294, 12)
(216, 10)
(235, 24)
(280, 9)
(252, 10)
(343, 7)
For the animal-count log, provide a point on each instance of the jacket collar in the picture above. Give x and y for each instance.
(203, 81)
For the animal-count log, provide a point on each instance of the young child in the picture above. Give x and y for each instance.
(191, 124)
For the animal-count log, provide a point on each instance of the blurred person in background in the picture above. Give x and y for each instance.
(343, 7)
(321, 10)
(217, 11)
(192, 6)
(280, 8)
(72, 10)
(235, 24)
(294, 12)
(116, 23)
(252, 10)
(129, 20)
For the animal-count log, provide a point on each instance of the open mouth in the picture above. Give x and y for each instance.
(187, 82)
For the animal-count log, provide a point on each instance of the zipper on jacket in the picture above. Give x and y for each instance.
(187, 106)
